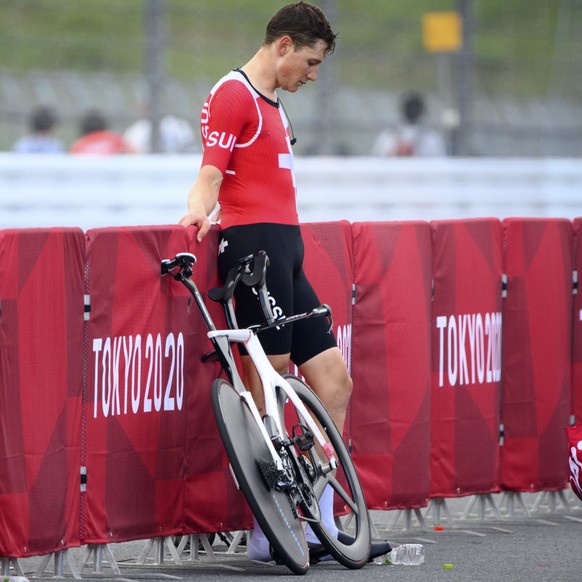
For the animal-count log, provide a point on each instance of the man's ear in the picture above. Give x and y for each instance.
(285, 44)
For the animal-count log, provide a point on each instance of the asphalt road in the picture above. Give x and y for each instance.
(544, 546)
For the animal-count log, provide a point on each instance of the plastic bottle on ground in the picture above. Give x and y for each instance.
(407, 555)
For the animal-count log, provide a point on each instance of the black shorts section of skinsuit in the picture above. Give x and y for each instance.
(289, 289)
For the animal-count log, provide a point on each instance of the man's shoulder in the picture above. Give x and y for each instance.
(235, 85)
(38, 144)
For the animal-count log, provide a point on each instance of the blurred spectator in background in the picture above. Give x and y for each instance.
(96, 138)
(412, 137)
(41, 139)
(176, 136)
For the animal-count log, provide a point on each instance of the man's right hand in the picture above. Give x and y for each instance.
(200, 221)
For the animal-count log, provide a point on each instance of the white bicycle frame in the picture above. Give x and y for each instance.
(270, 379)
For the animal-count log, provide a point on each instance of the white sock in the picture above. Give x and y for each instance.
(327, 518)
(258, 547)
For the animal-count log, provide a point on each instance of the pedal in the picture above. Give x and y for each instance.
(302, 437)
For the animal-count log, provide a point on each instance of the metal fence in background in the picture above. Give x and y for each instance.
(515, 84)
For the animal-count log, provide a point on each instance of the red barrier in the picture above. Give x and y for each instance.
(390, 409)
(466, 350)
(136, 385)
(537, 316)
(155, 464)
(577, 327)
(41, 338)
(126, 398)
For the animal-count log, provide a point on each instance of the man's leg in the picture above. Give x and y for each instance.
(328, 377)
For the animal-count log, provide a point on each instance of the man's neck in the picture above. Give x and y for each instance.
(261, 71)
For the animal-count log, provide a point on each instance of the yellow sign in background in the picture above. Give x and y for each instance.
(441, 31)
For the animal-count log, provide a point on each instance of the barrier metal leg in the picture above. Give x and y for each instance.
(59, 559)
(481, 501)
(202, 539)
(438, 505)
(236, 540)
(158, 544)
(7, 563)
(194, 549)
(95, 552)
(408, 516)
(553, 498)
(511, 497)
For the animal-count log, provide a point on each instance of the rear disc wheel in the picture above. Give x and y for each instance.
(246, 449)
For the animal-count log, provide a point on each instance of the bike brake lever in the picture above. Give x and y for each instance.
(257, 280)
(182, 261)
(257, 277)
(326, 310)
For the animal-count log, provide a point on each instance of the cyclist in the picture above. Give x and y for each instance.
(247, 168)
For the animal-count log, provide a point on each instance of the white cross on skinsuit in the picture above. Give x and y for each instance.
(286, 162)
(222, 246)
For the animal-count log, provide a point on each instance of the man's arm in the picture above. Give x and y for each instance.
(202, 199)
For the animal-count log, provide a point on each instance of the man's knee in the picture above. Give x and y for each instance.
(343, 387)
(328, 376)
(348, 386)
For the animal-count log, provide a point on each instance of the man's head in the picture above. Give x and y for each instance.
(93, 121)
(413, 107)
(43, 120)
(305, 24)
(300, 37)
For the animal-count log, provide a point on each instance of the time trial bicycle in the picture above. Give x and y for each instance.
(283, 460)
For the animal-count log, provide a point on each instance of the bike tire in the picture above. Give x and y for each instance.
(344, 481)
(245, 445)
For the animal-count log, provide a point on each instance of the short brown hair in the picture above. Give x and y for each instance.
(304, 23)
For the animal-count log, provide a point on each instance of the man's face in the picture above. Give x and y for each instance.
(300, 65)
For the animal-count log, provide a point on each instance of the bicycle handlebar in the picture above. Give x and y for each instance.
(183, 262)
(252, 278)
